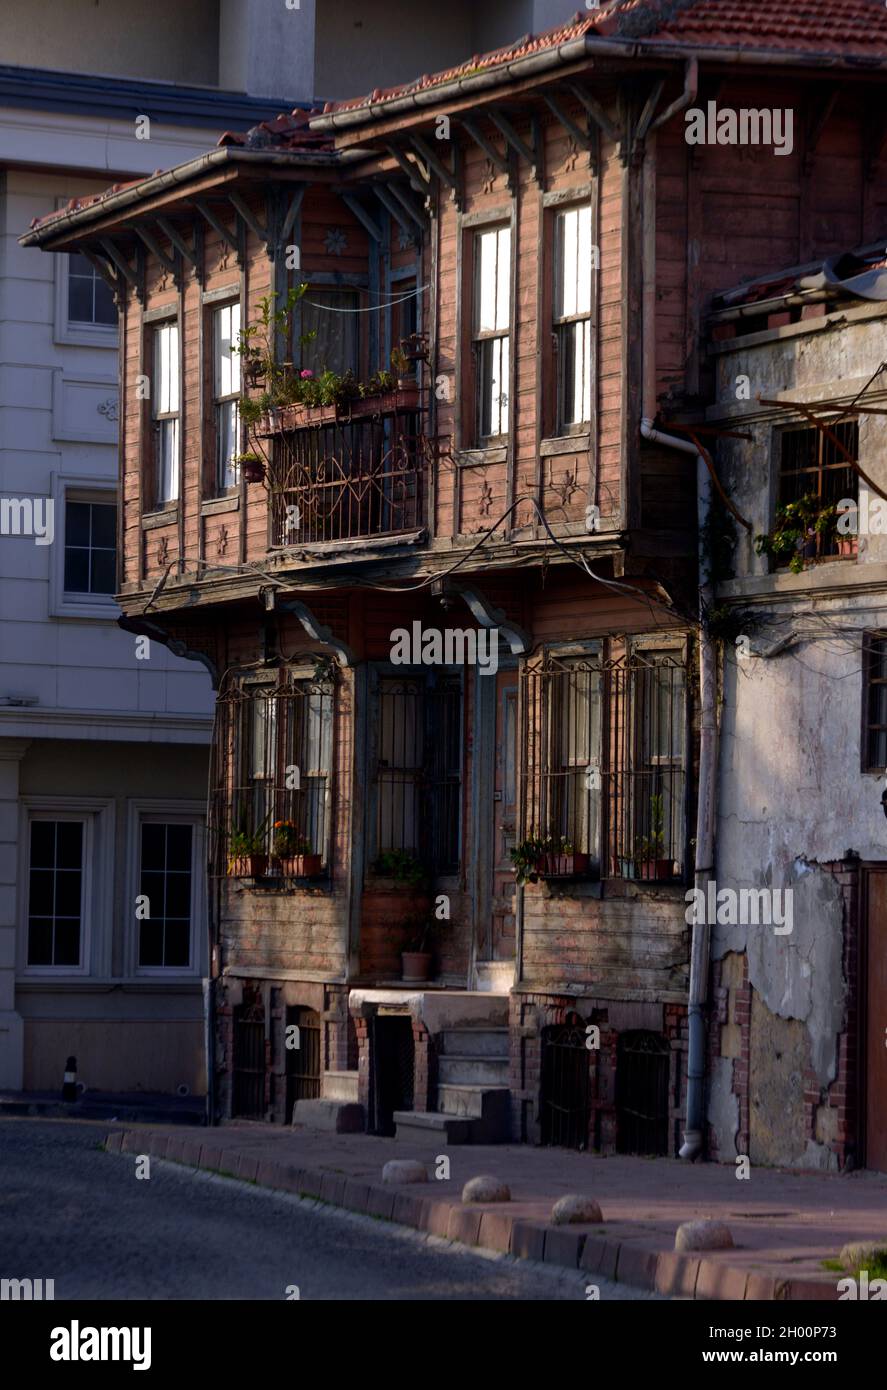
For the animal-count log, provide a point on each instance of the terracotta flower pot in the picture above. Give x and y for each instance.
(658, 869)
(253, 471)
(415, 965)
(298, 865)
(247, 865)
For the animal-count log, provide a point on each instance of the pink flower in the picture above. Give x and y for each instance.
(306, 374)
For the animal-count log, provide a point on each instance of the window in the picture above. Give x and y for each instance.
(90, 300)
(605, 759)
(165, 392)
(226, 391)
(492, 322)
(272, 763)
(572, 317)
(418, 769)
(330, 314)
(90, 547)
(811, 466)
(55, 892)
(875, 667)
(405, 311)
(166, 879)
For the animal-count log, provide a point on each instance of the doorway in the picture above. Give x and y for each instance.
(302, 1062)
(392, 1066)
(643, 1064)
(502, 942)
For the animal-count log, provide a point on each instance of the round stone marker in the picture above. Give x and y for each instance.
(401, 1170)
(575, 1210)
(703, 1235)
(486, 1188)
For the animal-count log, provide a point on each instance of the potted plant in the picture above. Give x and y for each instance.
(401, 365)
(804, 530)
(248, 857)
(548, 857)
(252, 468)
(416, 959)
(650, 852)
(402, 866)
(292, 856)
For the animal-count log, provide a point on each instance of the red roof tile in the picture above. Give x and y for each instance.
(850, 28)
(289, 131)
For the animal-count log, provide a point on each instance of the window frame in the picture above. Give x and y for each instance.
(79, 488)
(157, 418)
(779, 434)
(156, 811)
(220, 399)
(479, 337)
(70, 331)
(869, 637)
(98, 898)
(560, 427)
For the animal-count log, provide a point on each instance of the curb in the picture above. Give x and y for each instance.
(664, 1272)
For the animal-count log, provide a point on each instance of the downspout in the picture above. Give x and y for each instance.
(705, 809)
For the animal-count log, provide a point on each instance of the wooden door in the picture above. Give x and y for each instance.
(504, 816)
(874, 987)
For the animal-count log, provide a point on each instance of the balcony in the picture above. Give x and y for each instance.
(335, 476)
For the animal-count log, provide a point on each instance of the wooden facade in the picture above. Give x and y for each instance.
(401, 200)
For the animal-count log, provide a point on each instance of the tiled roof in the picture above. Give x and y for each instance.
(285, 132)
(87, 199)
(859, 272)
(849, 28)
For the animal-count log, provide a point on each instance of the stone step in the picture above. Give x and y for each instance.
(462, 1070)
(340, 1085)
(418, 1125)
(474, 1042)
(489, 1107)
(335, 1116)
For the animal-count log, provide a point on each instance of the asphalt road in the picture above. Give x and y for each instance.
(75, 1214)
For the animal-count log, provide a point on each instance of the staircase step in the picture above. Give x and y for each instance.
(495, 976)
(488, 1107)
(463, 1070)
(475, 1042)
(340, 1085)
(417, 1124)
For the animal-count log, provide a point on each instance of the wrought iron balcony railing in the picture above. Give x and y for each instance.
(349, 478)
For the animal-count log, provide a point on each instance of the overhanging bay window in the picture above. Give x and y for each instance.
(417, 738)
(604, 772)
(272, 768)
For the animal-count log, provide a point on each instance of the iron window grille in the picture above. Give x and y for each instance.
(811, 465)
(348, 480)
(418, 769)
(875, 717)
(272, 763)
(604, 759)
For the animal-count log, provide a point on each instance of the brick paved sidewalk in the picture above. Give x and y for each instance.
(784, 1224)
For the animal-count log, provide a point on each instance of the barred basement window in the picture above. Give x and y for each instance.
(604, 771)
(418, 777)
(271, 776)
(875, 667)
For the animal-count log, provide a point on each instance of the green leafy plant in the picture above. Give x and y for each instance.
(400, 362)
(525, 856)
(288, 840)
(798, 524)
(400, 865)
(653, 846)
(244, 843)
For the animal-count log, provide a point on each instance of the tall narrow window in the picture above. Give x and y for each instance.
(55, 892)
(226, 392)
(875, 667)
(418, 770)
(166, 411)
(492, 323)
(166, 853)
(572, 316)
(331, 316)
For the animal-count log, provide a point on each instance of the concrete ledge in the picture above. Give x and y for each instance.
(336, 1116)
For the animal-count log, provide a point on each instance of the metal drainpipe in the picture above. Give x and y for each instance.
(705, 813)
